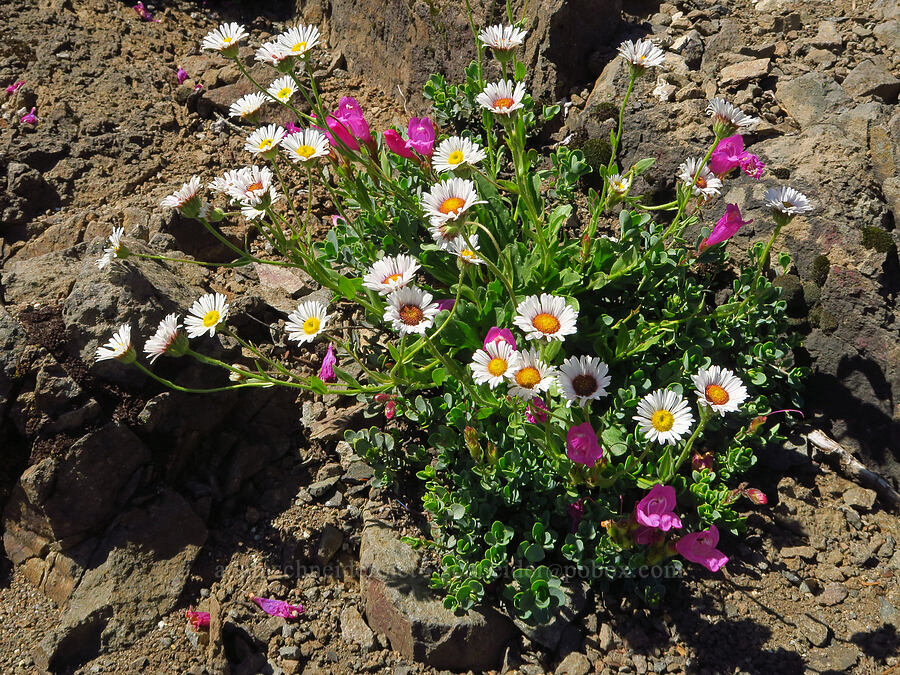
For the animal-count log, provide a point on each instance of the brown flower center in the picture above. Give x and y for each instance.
(411, 315)
(584, 385)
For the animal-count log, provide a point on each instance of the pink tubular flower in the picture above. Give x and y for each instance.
(727, 155)
(30, 117)
(14, 87)
(726, 228)
(397, 145)
(752, 166)
(496, 334)
(390, 405)
(181, 75)
(292, 129)
(277, 607)
(700, 547)
(339, 130)
(646, 536)
(350, 114)
(326, 372)
(536, 411)
(576, 513)
(144, 13)
(582, 446)
(656, 509)
(756, 496)
(421, 135)
(197, 619)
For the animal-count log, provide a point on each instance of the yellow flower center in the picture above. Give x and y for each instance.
(306, 151)
(528, 378)
(451, 204)
(662, 420)
(619, 186)
(299, 47)
(467, 254)
(211, 318)
(716, 394)
(284, 93)
(411, 315)
(497, 366)
(227, 39)
(391, 279)
(701, 182)
(584, 385)
(311, 325)
(265, 144)
(546, 323)
(455, 157)
(504, 103)
(253, 187)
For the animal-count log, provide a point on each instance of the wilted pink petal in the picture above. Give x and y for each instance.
(447, 303)
(496, 334)
(144, 13)
(700, 547)
(702, 461)
(582, 446)
(326, 372)
(728, 225)
(536, 411)
(656, 509)
(14, 87)
(752, 165)
(198, 87)
(397, 145)
(30, 117)
(335, 219)
(278, 607)
(390, 409)
(576, 513)
(197, 619)
(421, 135)
(181, 75)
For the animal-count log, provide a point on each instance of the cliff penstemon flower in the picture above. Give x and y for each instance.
(700, 547)
(277, 607)
(326, 370)
(726, 227)
(657, 509)
(582, 446)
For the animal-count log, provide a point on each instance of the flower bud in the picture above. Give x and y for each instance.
(756, 423)
(471, 438)
(756, 496)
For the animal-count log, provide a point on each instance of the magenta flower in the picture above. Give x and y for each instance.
(446, 304)
(496, 334)
(752, 165)
(277, 607)
(756, 496)
(576, 513)
(181, 75)
(390, 405)
(144, 13)
(727, 155)
(292, 129)
(536, 411)
(14, 87)
(30, 117)
(397, 145)
(335, 219)
(341, 131)
(326, 372)
(350, 114)
(700, 547)
(421, 135)
(197, 619)
(646, 536)
(582, 446)
(726, 228)
(657, 509)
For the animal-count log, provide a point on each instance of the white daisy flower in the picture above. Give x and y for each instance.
(112, 251)
(454, 152)
(663, 416)
(307, 321)
(490, 365)
(503, 97)
(528, 376)
(502, 38)
(247, 105)
(185, 199)
(619, 184)
(299, 40)
(165, 336)
(205, 314)
(225, 38)
(271, 53)
(227, 181)
(450, 199)
(390, 273)
(720, 389)
(306, 146)
(582, 379)
(788, 201)
(642, 54)
(545, 317)
(460, 248)
(707, 185)
(283, 89)
(250, 185)
(727, 117)
(410, 310)
(264, 141)
(118, 347)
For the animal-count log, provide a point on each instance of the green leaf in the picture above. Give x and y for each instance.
(642, 165)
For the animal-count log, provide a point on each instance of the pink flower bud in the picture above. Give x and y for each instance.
(197, 619)
(756, 496)
(326, 371)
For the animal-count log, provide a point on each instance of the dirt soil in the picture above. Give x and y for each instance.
(813, 586)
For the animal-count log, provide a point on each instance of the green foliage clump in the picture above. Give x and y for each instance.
(875, 238)
(819, 269)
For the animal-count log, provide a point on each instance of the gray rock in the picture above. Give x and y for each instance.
(888, 34)
(607, 638)
(319, 488)
(329, 543)
(828, 36)
(888, 613)
(810, 97)
(872, 79)
(814, 631)
(806, 552)
(289, 652)
(354, 629)
(860, 498)
(329, 470)
(400, 604)
(745, 71)
(833, 594)
(574, 664)
(549, 635)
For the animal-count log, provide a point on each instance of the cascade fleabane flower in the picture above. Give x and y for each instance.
(619, 184)
(582, 379)
(449, 199)
(306, 146)
(264, 141)
(727, 117)
(788, 201)
(118, 347)
(307, 321)
(410, 310)
(391, 273)
(545, 317)
(491, 364)
(164, 339)
(664, 416)
(297, 41)
(205, 314)
(719, 389)
(186, 199)
(247, 105)
(466, 251)
(224, 39)
(502, 38)
(528, 375)
(503, 97)
(455, 152)
(642, 54)
(115, 247)
(271, 53)
(706, 185)
(251, 185)
(283, 89)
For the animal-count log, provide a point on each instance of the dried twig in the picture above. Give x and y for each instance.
(852, 468)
